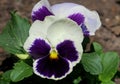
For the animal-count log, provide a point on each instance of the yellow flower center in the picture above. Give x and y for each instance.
(53, 55)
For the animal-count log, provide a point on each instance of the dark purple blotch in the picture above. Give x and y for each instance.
(77, 17)
(67, 50)
(39, 49)
(48, 67)
(85, 30)
(41, 14)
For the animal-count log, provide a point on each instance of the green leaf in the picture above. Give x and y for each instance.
(14, 34)
(77, 81)
(92, 63)
(108, 82)
(6, 75)
(22, 56)
(97, 47)
(110, 62)
(21, 70)
(4, 82)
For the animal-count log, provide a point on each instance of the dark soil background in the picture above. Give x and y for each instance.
(109, 10)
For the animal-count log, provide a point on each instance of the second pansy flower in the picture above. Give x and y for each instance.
(88, 20)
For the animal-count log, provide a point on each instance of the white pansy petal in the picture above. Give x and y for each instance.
(40, 4)
(79, 14)
(92, 19)
(41, 10)
(67, 9)
(39, 28)
(60, 9)
(66, 29)
(93, 22)
(77, 9)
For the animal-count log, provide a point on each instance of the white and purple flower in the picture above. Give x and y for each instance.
(55, 45)
(88, 20)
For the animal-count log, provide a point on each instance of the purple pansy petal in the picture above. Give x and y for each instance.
(39, 49)
(85, 30)
(52, 69)
(77, 17)
(67, 50)
(41, 14)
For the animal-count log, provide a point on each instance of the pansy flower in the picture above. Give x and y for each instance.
(88, 20)
(55, 46)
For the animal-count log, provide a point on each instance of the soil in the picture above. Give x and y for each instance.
(109, 10)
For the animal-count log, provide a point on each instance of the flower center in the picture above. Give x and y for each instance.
(53, 55)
